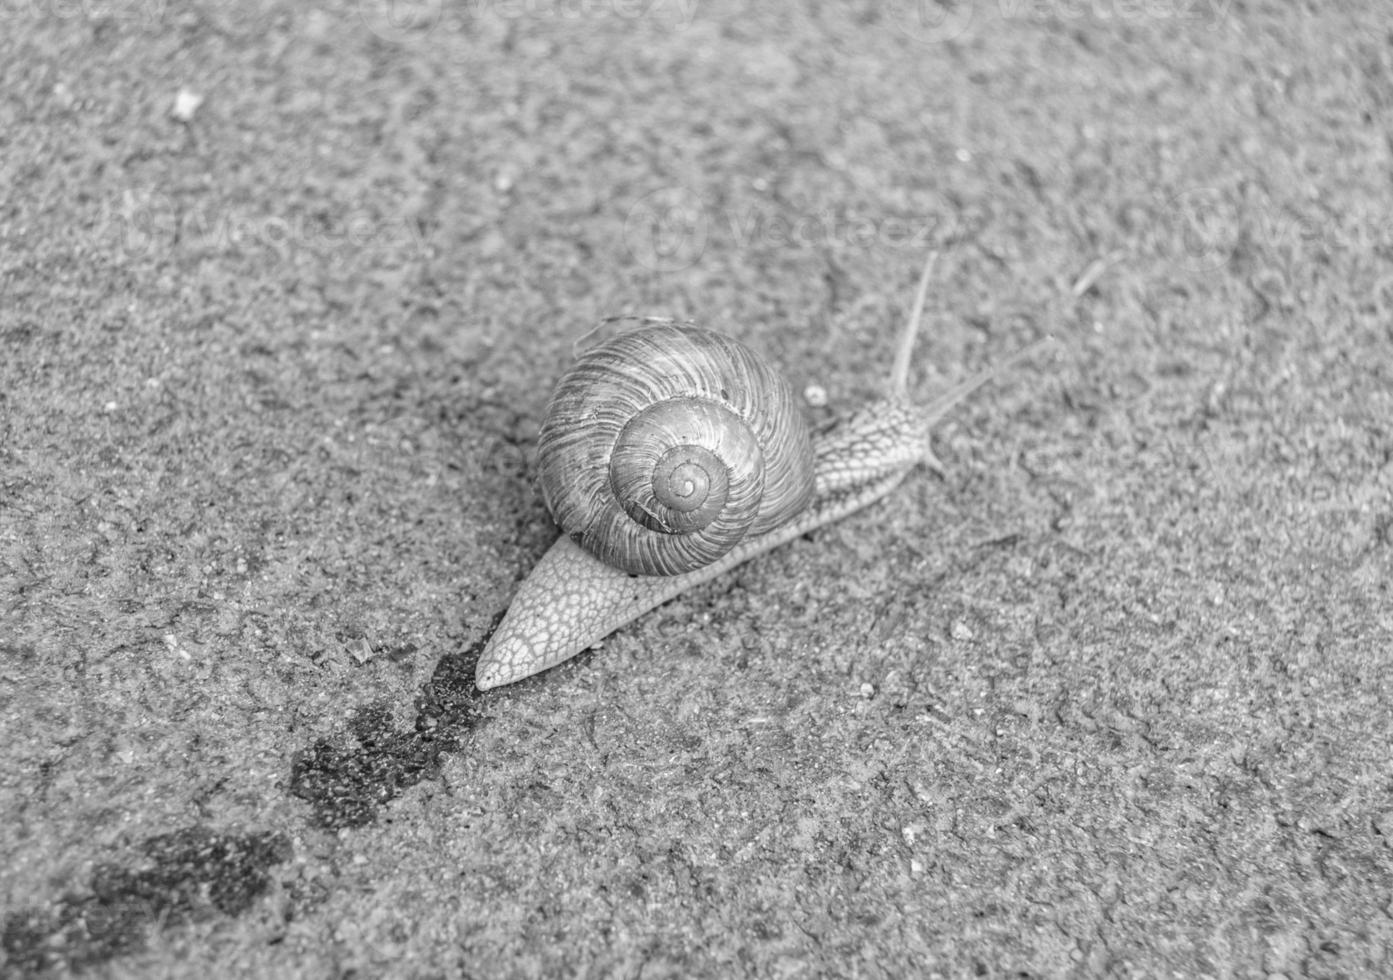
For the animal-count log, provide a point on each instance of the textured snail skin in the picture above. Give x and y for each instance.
(571, 599)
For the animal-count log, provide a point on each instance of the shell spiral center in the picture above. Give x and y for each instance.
(687, 464)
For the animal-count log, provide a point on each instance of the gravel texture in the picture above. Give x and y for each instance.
(283, 288)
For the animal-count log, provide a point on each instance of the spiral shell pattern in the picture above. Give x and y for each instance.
(662, 448)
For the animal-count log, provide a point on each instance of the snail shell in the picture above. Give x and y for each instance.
(663, 448)
(635, 385)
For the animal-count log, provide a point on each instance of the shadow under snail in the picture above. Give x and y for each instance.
(671, 454)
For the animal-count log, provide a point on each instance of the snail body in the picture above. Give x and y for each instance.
(670, 455)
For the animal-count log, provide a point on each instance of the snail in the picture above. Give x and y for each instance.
(671, 454)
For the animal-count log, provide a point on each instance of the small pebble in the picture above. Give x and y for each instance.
(186, 103)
